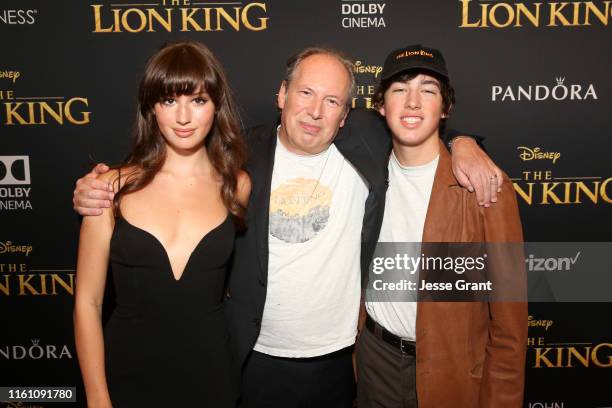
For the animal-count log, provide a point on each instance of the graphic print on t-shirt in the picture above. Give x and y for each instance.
(299, 209)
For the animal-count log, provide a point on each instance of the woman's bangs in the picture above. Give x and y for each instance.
(185, 74)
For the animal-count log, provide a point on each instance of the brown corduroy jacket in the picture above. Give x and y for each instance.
(471, 354)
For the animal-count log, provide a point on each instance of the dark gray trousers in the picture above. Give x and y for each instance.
(386, 377)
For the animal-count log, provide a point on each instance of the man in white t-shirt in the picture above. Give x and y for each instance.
(313, 217)
(449, 354)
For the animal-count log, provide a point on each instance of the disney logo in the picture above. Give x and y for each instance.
(9, 247)
(536, 153)
(532, 322)
(359, 68)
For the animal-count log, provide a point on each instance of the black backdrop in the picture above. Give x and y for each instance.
(534, 78)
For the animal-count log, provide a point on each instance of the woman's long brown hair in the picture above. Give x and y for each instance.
(183, 69)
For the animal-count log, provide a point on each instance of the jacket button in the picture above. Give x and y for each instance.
(261, 283)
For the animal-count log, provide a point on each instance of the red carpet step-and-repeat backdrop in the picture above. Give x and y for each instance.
(533, 77)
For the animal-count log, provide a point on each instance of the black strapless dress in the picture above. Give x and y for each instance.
(166, 344)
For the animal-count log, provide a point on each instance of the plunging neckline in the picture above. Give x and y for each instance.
(173, 275)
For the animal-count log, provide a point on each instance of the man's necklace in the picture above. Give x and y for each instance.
(327, 154)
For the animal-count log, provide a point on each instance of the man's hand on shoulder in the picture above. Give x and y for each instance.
(475, 170)
(91, 193)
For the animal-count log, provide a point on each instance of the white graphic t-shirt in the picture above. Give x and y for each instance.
(316, 214)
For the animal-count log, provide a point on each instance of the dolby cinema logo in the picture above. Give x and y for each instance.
(15, 183)
(559, 90)
(359, 14)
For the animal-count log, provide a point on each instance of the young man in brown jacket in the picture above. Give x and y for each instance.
(439, 354)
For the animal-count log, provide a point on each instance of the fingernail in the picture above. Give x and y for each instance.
(112, 195)
(494, 200)
(471, 189)
(487, 205)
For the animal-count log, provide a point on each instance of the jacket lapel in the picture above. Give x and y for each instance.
(262, 168)
(434, 229)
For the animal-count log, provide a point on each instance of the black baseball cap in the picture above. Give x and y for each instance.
(411, 57)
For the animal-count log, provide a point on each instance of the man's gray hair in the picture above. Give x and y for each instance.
(296, 59)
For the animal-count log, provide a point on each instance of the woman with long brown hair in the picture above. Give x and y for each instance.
(179, 197)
